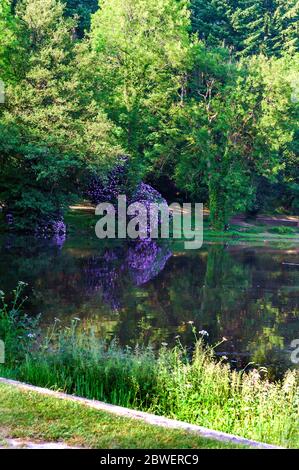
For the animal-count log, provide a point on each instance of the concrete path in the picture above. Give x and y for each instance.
(26, 444)
(145, 417)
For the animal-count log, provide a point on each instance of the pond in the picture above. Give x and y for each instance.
(148, 293)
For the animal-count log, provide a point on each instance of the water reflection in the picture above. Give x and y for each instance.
(116, 269)
(146, 292)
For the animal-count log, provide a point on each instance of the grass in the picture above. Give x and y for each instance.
(192, 386)
(82, 223)
(30, 416)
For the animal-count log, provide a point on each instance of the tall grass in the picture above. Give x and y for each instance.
(17, 330)
(196, 388)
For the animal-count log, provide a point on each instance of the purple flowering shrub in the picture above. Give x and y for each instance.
(147, 195)
(107, 189)
(145, 192)
(100, 190)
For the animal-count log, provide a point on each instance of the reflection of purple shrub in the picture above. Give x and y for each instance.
(9, 219)
(145, 259)
(115, 272)
(102, 275)
(52, 229)
(142, 259)
(59, 240)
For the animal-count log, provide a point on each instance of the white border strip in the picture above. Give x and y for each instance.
(146, 417)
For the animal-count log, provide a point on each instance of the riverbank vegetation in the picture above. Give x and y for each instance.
(204, 110)
(187, 384)
(34, 418)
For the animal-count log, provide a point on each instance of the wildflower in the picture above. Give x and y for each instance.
(225, 358)
(77, 319)
(224, 338)
(203, 333)
(164, 344)
(31, 335)
(190, 322)
(177, 337)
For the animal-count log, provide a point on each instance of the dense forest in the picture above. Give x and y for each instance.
(200, 97)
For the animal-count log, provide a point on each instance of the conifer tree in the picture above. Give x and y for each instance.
(50, 128)
(143, 49)
(82, 10)
(286, 20)
(253, 19)
(211, 20)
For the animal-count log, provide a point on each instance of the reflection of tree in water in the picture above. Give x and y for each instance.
(240, 299)
(247, 296)
(146, 259)
(75, 275)
(117, 269)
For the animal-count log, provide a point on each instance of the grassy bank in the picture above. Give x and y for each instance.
(30, 416)
(193, 387)
(82, 222)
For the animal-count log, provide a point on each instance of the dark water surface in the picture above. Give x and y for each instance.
(147, 293)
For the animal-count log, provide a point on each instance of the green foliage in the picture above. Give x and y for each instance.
(248, 27)
(82, 9)
(182, 106)
(282, 230)
(17, 330)
(12, 41)
(197, 389)
(211, 20)
(268, 115)
(51, 129)
(29, 414)
(143, 49)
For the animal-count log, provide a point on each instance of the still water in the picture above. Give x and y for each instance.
(149, 293)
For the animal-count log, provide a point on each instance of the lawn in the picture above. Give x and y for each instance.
(30, 416)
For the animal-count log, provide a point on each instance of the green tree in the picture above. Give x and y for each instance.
(143, 49)
(267, 26)
(11, 42)
(51, 130)
(198, 139)
(237, 123)
(211, 19)
(248, 26)
(82, 9)
(268, 111)
(253, 19)
(286, 19)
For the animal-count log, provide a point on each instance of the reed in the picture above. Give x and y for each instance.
(194, 387)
